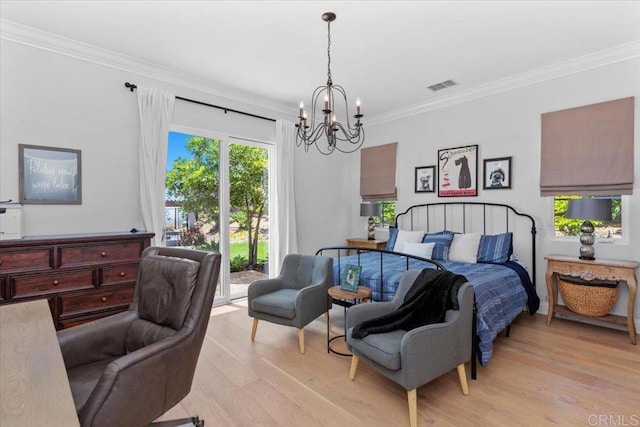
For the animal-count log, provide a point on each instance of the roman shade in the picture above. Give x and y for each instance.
(588, 150)
(378, 173)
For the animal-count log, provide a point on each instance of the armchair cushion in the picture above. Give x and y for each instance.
(281, 303)
(166, 285)
(382, 348)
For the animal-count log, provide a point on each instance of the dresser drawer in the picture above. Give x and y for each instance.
(118, 274)
(99, 253)
(43, 284)
(82, 303)
(26, 259)
(3, 288)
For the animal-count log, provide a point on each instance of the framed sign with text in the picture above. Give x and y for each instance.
(49, 175)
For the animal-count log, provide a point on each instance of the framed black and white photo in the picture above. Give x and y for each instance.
(49, 175)
(497, 173)
(425, 179)
(458, 171)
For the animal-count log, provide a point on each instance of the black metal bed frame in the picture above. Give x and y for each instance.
(444, 205)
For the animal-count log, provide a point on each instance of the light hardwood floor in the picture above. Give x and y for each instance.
(566, 374)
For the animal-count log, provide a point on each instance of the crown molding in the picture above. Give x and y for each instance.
(601, 58)
(28, 36)
(32, 37)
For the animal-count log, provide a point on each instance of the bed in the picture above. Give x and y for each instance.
(494, 249)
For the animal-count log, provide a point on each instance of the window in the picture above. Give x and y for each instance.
(387, 216)
(603, 229)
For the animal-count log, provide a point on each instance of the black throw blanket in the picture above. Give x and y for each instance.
(430, 296)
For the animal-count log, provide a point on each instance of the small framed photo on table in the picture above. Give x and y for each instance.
(497, 173)
(350, 278)
(425, 179)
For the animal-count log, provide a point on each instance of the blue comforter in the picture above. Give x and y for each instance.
(500, 292)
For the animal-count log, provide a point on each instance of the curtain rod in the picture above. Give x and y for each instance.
(131, 87)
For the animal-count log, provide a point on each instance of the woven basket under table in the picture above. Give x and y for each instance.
(587, 297)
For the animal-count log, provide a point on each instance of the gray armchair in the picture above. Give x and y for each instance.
(413, 358)
(294, 298)
(130, 368)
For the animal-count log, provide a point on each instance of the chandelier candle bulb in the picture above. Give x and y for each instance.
(358, 107)
(301, 109)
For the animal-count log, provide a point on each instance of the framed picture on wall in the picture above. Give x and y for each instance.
(458, 171)
(49, 175)
(497, 173)
(425, 179)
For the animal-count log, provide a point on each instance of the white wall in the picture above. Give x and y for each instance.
(56, 100)
(508, 124)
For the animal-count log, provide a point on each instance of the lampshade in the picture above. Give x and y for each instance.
(369, 209)
(593, 209)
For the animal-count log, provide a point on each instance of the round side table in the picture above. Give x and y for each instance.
(346, 299)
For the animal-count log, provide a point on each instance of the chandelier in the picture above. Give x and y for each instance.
(341, 136)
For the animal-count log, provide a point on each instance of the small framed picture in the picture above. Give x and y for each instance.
(425, 180)
(497, 173)
(350, 278)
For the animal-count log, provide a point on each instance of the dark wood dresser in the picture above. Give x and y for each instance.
(83, 276)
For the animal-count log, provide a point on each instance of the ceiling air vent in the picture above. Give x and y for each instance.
(442, 85)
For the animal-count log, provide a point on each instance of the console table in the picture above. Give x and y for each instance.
(599, 269)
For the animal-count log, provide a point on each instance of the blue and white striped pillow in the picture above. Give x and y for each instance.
(497, 248)
(391, 241)
(441, 248)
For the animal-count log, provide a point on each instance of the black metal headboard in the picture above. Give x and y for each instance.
(464, 217)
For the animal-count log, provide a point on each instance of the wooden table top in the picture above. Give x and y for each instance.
(34, 388)
(362, 293)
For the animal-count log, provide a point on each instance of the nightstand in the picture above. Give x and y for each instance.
(599, 269)
(356, 242)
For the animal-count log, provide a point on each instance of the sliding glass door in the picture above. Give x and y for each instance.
(217, 199)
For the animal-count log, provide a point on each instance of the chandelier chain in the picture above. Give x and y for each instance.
(329, 52)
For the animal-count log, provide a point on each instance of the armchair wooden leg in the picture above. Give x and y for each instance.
(301, 340)
(354, 367)
(462, 374)
(254, 328)
(412, 396)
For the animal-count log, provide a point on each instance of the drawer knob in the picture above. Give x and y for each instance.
(56, 283)
(122, 274)
(103, 254)
(0, 262)
(104, 299)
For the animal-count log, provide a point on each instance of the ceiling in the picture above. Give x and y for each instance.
(384, 52)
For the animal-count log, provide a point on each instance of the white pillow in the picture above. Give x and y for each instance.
(422, 250)
(464, 247)
(407, 236)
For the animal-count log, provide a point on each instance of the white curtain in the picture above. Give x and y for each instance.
(285, 231)
(155, 107)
